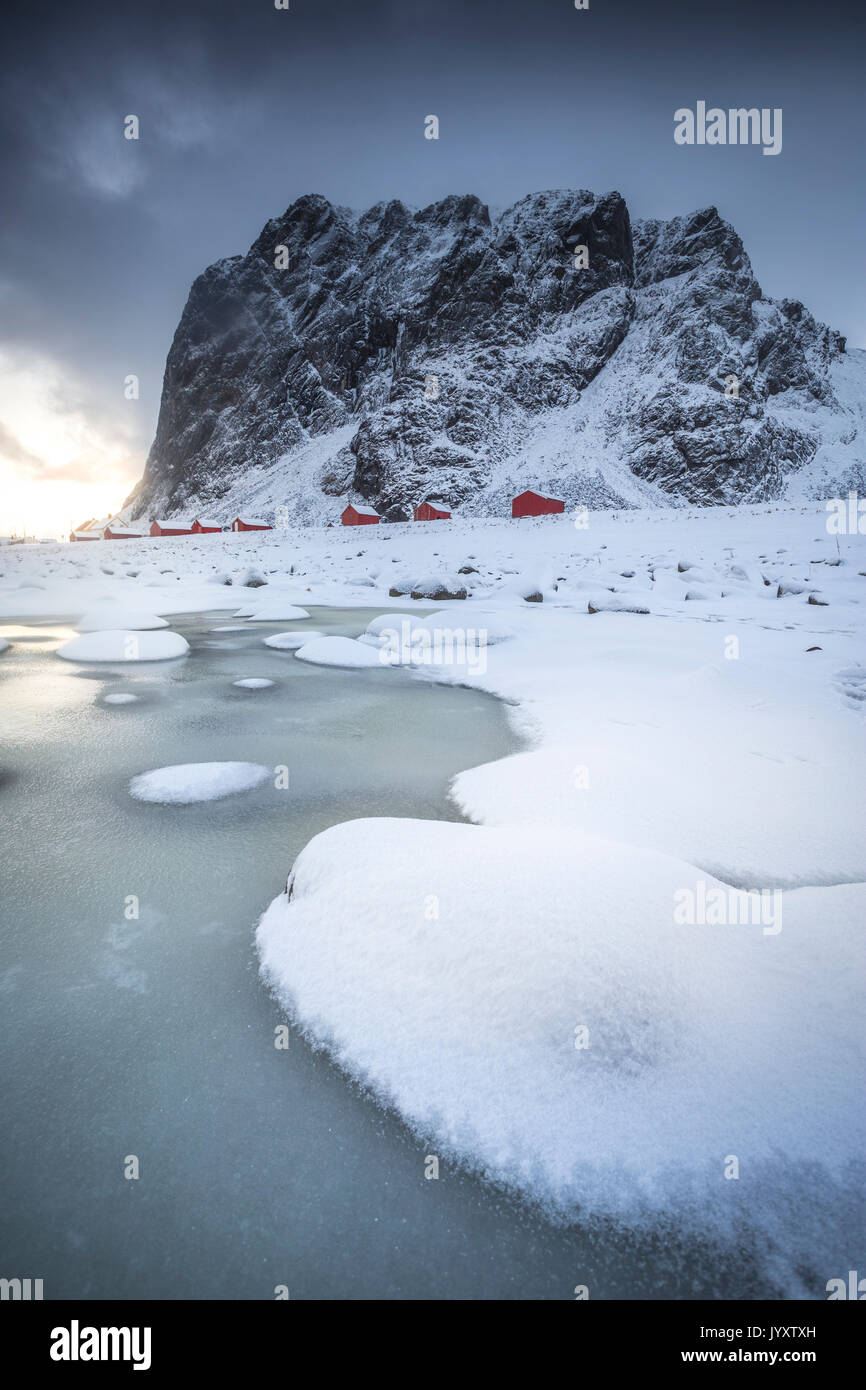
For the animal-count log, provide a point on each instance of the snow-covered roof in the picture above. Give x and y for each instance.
(88, 535)
(123, 530)
(252, 520)
(174, 524)
(204, 521)
(363, 511)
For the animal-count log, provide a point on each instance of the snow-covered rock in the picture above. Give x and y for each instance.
(124, 646)
(114, 616)
(290, 641)
(338, 651)
(277, 613)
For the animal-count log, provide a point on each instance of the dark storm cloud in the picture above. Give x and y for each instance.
(243, 108)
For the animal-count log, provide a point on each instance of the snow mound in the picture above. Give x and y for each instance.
(275, 613)
(339, 651)
(389, 620)
(113, 616)
(119, 698)
(254, 683)
(454, 969)
(491, 626)
(617, 603)
(290, 641)
(124, 646)
(185, 783)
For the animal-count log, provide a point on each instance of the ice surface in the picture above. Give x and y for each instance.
(189, 782)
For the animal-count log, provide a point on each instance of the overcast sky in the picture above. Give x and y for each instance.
(244, 107)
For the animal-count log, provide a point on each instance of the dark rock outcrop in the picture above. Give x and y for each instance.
(395, 356)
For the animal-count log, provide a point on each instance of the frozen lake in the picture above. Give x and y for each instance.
(154, 1036)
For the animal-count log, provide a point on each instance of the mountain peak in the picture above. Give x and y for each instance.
(397, 354)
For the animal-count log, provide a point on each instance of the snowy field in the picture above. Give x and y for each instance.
(632, 989)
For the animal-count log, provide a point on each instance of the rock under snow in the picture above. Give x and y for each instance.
(339, 651)
(290, 641)
(124, 646)
(115, 616)
(277, 613)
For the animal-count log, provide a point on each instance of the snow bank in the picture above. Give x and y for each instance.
(339, 651)
(124, 646)
(454, 969)
(186, 783)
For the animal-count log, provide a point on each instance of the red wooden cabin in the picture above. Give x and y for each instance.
(87, 531)
(114, 532)
(531, 503)
(170, 528)
(360, 516)
(431, 511)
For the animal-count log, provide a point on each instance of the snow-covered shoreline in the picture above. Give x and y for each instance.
(712, 737)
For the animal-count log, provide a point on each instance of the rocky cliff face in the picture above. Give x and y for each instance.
(393, 356)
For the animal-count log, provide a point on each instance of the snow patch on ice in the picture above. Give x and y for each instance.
(185, 783)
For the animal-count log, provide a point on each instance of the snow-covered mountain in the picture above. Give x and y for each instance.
(395, 355)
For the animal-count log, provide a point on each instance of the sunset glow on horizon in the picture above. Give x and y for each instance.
(57, 469)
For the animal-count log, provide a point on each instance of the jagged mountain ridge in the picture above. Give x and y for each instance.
(311, 385)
